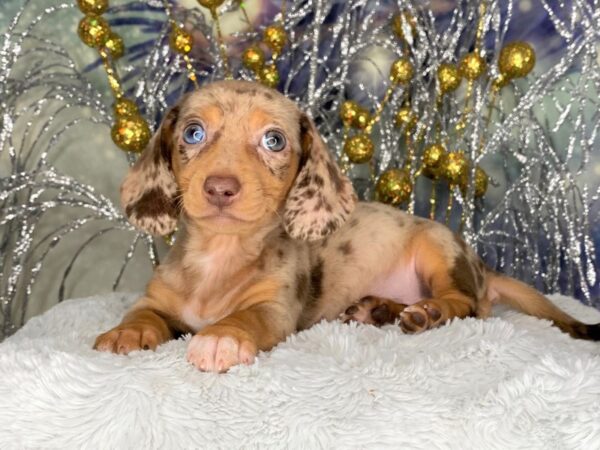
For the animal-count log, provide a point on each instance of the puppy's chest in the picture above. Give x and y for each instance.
(215, 281)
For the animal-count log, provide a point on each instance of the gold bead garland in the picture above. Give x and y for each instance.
(130, 131)
(275, 39)
(402, 20)
(115, 46)
(269, 75)
(93, 30)
(394, 187)
(516, 60)
(359, 148)
(212, 6)
(401, 71)
(449, 78)
(253, 58)
(92, 6)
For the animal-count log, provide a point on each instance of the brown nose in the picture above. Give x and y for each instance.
(221, 191)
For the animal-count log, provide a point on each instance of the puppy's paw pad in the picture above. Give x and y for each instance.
(414, 319)
(369, 310)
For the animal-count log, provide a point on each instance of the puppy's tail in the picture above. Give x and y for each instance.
(518, 295)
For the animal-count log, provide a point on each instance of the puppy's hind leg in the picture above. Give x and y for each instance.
(451, 281)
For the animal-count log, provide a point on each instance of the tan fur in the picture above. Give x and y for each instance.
(291, 249)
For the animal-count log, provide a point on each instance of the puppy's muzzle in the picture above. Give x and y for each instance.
(221, 191)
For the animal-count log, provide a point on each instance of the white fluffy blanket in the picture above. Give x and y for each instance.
(508, 382)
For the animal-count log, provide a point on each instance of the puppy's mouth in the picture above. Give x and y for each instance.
(223, 216)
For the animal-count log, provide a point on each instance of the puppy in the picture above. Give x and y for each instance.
(271, 239)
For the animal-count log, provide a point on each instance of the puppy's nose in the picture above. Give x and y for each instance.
(221, 191)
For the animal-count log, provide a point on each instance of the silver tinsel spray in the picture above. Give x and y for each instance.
(534, 224)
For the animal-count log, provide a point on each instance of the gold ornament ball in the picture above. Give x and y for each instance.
(359, 148)
(399, 22)
(455, 167)
(500, 82)
(253, 58)
(481, 182)
(448, 77)
(115, 45)
(362, 119)
(211, 4)
(125, 108)
(275, 37)
(93, 6)
(434, 157)
(401, 71)
(406, 119)
(93, 30)
(181, 41)
(131, 133)
(472, 66)
(269, 76)
(516, 59)
(348, 112)
(394, 187)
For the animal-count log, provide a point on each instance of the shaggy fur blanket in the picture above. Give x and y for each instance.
(508, 382)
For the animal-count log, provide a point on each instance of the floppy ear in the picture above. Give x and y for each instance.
(149, 191)
(321, 198)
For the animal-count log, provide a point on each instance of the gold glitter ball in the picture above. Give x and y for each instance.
(125, 107)
(93, 6)
(359, 148)
(500, 82)
(131, 133)
(253, 58)
(394, 187)
(481, 182)
(448, 77)
(433, 161)
(211, 4)
(348, 112)
(472, 66)
(401, 21)
(93, 30)
(362, 119)
(269, 76)
(455, 167)
(406, 119)
(275, 37)
(115, 45)
(516, 59)
(181, 41)
(401, 71)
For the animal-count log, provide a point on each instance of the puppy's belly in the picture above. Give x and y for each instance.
(401, 285)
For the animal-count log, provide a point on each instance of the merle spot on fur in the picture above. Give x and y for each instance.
(346, 248)
(335, 177)
(153, 203)
(316, 280)
(302, 287)
(463, 278)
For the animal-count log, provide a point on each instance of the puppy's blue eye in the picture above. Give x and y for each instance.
(194, 134)
(273, 141)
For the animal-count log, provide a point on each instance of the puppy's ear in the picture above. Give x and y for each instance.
(149, 191)
(321, 198)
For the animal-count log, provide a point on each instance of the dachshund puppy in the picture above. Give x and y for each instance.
(271, 239)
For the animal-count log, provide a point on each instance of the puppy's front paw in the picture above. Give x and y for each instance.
(214, 353)
(127, 338)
